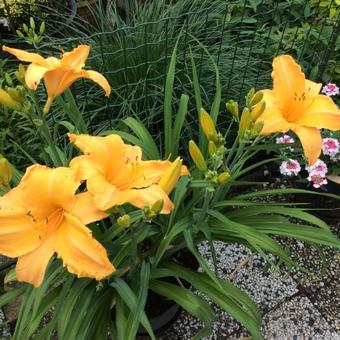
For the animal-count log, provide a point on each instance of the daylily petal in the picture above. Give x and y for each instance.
(26, 56)
(48, 189)
(76, 58)
(289, 82)
(84, 166)
(32, 266)
(103, 150)
(80, 252)
(269, 98)
(85, 210)
(106, 195)
(58, 80)
(34, 74)
(149, 196)
(99, 79)
(322, 113)
(311, 141)
(273, 121)
(18, 233)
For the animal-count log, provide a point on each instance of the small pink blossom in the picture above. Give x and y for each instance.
(284, 139)
(330, 146)
(318, 168)
(330, 89)
(317, 180)
(290, 167)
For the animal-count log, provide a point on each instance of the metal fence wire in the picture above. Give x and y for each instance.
(241, 37)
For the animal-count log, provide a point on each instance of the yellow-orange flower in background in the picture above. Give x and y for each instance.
(295, 104)
(58, 74)
(43, 216)
(116, 174)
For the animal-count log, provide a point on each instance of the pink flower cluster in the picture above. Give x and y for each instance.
(290, 167)
(317, 173)
(330, 147)
(285, 139)
(330, 90)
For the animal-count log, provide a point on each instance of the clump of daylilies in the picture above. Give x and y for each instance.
(48, 211)
(45, 214)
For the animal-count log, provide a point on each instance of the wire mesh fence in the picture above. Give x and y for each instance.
(241, 37)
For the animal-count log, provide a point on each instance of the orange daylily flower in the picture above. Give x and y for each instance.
(295, 104)
(116, 174)
(58, 74)
(43, 216)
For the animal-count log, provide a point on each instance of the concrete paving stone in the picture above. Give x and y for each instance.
(297, 319)
(267, 287)
(4, 328)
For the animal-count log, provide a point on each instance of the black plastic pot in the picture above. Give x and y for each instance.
(162, 312)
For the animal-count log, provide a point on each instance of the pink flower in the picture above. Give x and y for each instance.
(290, 167)
(330, 146)
(330, 89)
(318, 168)
(317, 180)
(284, 139)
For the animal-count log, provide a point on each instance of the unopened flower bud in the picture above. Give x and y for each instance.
(232, 107)
(6, 173)
(124, 221)
(8, 101)
(212, 148)
(171, 176)
(257, 111)
(208, 125)
(20, 74)
(211, 176)
(251, 93)
(16, 94)
(158, 206)
(258, 96)
(245, 122)
(197, 156)
(257, 128)
(223, 177)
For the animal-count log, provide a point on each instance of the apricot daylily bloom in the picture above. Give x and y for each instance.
(58, 74)
(295, 104)
(116, 174)
(43, 216)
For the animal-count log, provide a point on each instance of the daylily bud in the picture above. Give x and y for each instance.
(16, 94)
(212, 147)
(9, 80)
(211, 176)
(257, 128)
(24, 26)
(232, 107)
(197, 156)
(124, 221)
(6, 173)
(171, 176)
(257, 111)
(158, 206)
(208, 125)
(20, 74)
(251, 93)
(245, 122)
(42, 28)
(32, 23)
(223, 177)
(258, 96)
(7, 100)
